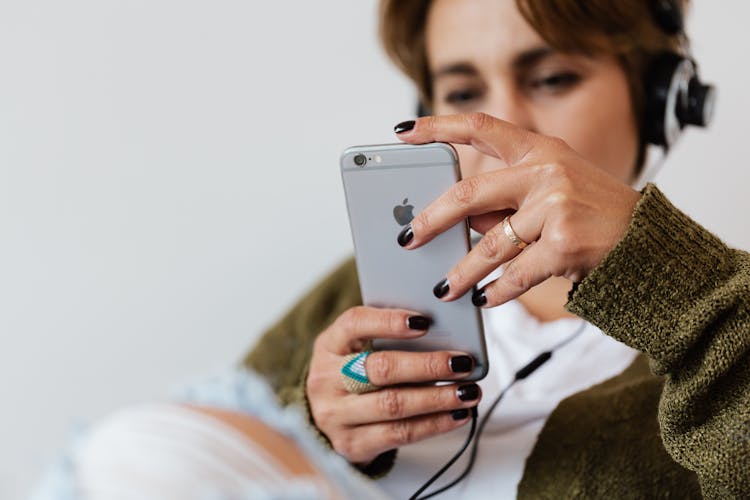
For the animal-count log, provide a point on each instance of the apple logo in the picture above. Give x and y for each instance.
(403, 213)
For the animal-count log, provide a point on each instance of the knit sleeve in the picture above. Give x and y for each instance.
(674, 291)
(282, 355)
(283, 351)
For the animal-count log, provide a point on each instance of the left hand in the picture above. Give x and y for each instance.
(571, 212)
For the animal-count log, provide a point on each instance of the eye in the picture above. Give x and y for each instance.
(556, 82)
(462, 96)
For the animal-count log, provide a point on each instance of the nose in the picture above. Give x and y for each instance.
(505, 101)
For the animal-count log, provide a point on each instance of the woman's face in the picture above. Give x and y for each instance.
(483, 56)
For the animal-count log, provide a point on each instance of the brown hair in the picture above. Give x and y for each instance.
(624, 29)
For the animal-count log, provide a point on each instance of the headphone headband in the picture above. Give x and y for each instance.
(668, 16)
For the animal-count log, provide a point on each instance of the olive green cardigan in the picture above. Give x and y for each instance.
(676, 423)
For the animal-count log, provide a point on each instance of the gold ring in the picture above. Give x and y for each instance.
(512, 234)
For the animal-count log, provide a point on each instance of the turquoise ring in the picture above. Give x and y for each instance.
(354, 374)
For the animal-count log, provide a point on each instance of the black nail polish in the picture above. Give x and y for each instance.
(441, 289)
(405, 236)
(460, 414)
(461, 364)
(468, 392)
(418, 322)
(479, 298)
(404, 126)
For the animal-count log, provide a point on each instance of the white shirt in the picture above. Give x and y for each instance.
(514, 338)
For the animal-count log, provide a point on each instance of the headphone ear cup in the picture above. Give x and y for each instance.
(675, 97)
(666, 83)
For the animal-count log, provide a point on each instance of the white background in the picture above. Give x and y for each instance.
(169, 185)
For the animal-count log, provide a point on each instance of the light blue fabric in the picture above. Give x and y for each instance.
(244, 392)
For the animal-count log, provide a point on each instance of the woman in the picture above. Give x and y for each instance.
(650, 396)
(545, 102)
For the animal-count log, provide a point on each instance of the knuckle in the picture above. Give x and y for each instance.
(428, 123)
(564, 188)
(557, 240)
(343, 443)
(558, 234)
(435, 365)
(539, 170)
(565, 177)
(478, 120)
(391, 403)
(556, 200)
(559, 179)
(316, 381)
(489, 246)
(403, 432)
(317, 345)
(559, 262)
(352, 318)
(558, 143)
(558, 206)
(517, 277)
(380, 367)
(464, 192)
(552, 171)
(566, 248)
(562, 238)
(323, 414)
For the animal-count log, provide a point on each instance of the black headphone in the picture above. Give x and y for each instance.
(675, 96)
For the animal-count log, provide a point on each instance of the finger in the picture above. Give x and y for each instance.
(494, 249)
(397, 403)
(386, 368)
(486, 133)
(484, 222)
(499, 190)
(531, 267)
(357, 444)
(359, 324)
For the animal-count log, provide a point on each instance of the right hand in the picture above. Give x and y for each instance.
(362, 426)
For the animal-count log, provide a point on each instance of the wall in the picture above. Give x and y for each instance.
(169, 185)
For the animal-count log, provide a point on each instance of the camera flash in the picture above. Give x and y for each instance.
(378, 159)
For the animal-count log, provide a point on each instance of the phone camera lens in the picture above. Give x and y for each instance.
(360, 160)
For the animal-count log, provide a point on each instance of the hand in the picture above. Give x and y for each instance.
(362, 426)
(572, 211)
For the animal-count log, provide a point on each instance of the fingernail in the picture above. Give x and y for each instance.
(479, 298)
(461, 364)
(441, 288)
(405, 236)
(460, 414)
(404, 126)
(418, 322)
(468, 392)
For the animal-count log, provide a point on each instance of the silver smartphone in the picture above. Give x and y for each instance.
(385, 185)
